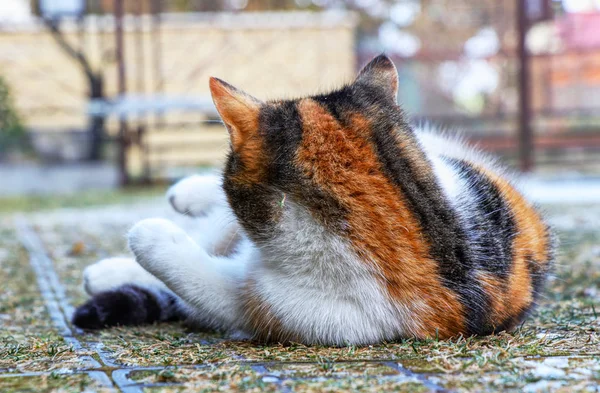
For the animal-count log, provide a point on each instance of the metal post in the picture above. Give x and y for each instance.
(142, 123)
(157, 54)
(139, 47)
(525, 130)
(123, 134)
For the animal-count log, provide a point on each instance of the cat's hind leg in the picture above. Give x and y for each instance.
(123, 293)
(111, 273)
(207, 283)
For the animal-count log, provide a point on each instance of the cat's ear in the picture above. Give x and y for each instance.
(238, 110)
(381, 73)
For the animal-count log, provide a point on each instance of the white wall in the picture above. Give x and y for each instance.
(14, 12)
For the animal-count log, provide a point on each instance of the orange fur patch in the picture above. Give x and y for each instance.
(240, 114)
(495, 290)
(382, 228)
(530, 241)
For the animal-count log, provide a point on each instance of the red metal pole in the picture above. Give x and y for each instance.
(525, 131)
(123, 135)
(157, 53)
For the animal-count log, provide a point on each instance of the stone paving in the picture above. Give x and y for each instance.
(42, 256)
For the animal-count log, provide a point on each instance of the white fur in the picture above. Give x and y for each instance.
(205, 282)
(438, 143)
(320, 289)
(313, 282)
(112, 273)
(196, 195)
(306, 275)
(436, 146)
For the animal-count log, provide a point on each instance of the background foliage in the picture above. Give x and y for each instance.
(12, 131)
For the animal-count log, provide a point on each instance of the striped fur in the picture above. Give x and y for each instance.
(355, 227)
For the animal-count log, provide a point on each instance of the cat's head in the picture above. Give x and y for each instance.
(301, 150)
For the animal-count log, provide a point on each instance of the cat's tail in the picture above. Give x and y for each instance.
(129, 305)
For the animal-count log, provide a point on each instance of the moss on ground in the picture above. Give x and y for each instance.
(405, 385)
(331, 369)
(51, 382)
(237, 378)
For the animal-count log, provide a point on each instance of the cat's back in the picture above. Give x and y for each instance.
(510, 247)
(441, 243)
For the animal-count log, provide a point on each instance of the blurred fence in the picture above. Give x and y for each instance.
(464, 74)
(565, 103)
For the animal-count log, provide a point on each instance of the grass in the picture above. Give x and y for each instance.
(209, 379)
(557, 349)
(50, 382)
(34, 203)
(27, 340)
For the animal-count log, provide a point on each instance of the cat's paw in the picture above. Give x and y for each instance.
(196, 195)
(112, 273)
(157, 244)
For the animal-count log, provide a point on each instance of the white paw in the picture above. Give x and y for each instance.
(112, 273)
(158, 245)
(196, 195)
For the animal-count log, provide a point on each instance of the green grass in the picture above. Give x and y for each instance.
(34, 203)
(27, 340)
(52, 382)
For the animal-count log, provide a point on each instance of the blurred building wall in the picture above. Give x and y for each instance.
(270, 55)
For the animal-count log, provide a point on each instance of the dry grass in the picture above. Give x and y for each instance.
(557, 349)
(51, 382)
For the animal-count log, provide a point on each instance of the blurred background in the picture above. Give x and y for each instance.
(105, 93)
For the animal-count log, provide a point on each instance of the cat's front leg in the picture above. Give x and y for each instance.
(205, 282)
(196, 195)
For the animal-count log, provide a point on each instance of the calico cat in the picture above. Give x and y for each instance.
(334, 222)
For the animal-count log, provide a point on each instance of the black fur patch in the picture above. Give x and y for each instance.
(126, 305)
(254, 205)
(493, 226)
(337, 103)
(281, 127)
(257, 205)
(492, 222)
